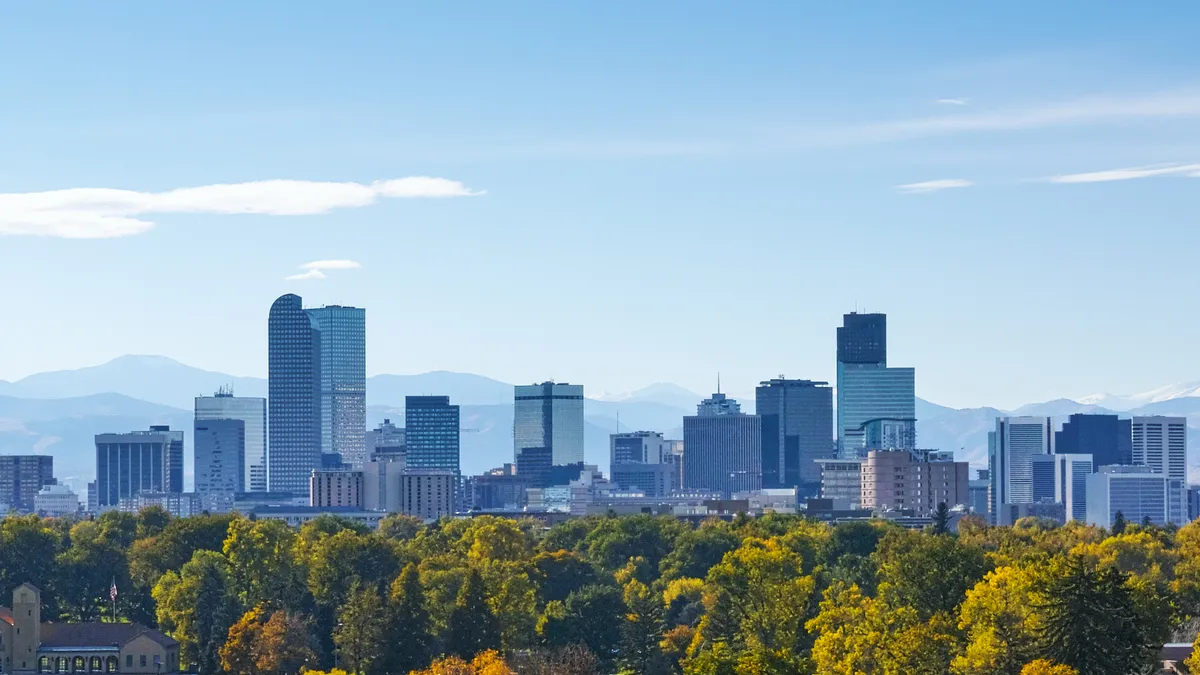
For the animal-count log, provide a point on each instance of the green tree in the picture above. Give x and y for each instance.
(400, 527)
(197, 607)
(696, 551)
(361, 635)
(410, 630)
(642, 630)
(345, 559)
(591, 616)
(1118, 526)
(473, 627)
(929, 574)
(285, 645)
(941, 519)
(263, 565)
(559, 573)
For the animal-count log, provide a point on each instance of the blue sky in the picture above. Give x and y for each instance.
(669, 189)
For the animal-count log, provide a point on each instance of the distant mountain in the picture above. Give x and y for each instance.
(664, 393)
(1060, 407)
(1131, 401)
(462, 388)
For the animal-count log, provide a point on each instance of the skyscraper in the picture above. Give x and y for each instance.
(1105, 437)
(293, 402)
(1161, 444)
(1011, 449)
(21, 477)
(722, 448)
(642, 460)
(797, 422)
(431, 432)
(138, 461)
(867, 389)
(220, 448)
(223, 405)
(1062, 479)
(1137, 494)
(549, 417)
(343, 380)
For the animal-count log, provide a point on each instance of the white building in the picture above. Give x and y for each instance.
(56, 501)
(841, 481)
(1161, 444)
(382, 484)
(1011, 449)
(549, 417)
(1136, 493)
(253, 412)
(1062, 479)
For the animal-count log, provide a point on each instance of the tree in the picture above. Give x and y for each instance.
(696, 551)
(237, 654)
(411, 637)
(573, 660)
(361, 635)
(263, 567)
(941, 519)
(1092, 622)
(1044, 667)
(400, 527)
(473, 627)
(197, 607)
(559, 573)
(929, 574)
(641, 632)
(1118, 526)
(1000, 623)
(285, 645)
(591, 616)
(343, 560)
(1193, 661)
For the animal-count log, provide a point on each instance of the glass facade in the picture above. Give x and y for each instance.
(868, 392)
(722, 448)
(550, 416)
(220, 447)
(22, 476)
(1011, 449)
(139, 461)
(797, 430)
(1105, 437)
(431, 433)
(862, 338)
(252, 412)
(293, 400)
(1137, 494)
(342, 380)
(1062, 479)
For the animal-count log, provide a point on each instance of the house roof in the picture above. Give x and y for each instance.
(6, 615)
(98, 634)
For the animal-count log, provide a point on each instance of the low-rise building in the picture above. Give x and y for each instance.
(1137, 494)
(917, 480)
(178, 504)
(335, 488)
(299, 515)
(841, 481)
(428, 494)
(56, 501)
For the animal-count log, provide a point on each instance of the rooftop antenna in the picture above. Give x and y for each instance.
(718, 381)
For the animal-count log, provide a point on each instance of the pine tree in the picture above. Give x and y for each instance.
(473, 627)
(361, 634)
(941, 519)
(1118, 526)
(411, 640)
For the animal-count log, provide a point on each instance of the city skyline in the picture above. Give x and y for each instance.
(902, 171)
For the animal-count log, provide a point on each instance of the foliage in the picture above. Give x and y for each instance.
(473, 628)
(1044, 667)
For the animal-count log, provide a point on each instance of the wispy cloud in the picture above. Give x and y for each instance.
(952, 101)
(933, 186)
(98, 213)
(1192, 170)
(316, 269)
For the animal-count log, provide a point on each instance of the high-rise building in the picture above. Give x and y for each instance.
(428, 493)
(1062, 479)
(139, 461)
(220, 463)
(1106, 438)
(900, 479)
(722, 448)
(797, 421)
(382, 482)
(431, 433)
(342, 355)
(223, 405)
(22, 477)
(549, 416)
(889, 434)
(387, 439)
(867, 389)
(642, 461)
(338, 488)
(977, 490)
(1161, 444)
(1138, 494)
(1011, 448)
(293, 400)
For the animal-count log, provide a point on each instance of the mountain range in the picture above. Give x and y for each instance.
(59, 412)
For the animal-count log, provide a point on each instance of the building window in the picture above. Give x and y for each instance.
(44, 664)
(62, 664)
(97, 664)
(79, 665)
(129, 660)
(112, 665)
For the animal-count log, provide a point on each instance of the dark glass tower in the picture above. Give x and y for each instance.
(1108, 439)
(862, 338)
(797, 429)
(343, 381)
(431, 432)
(293, 403)
(138, 461)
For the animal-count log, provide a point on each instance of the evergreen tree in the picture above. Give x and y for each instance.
(941, 519)
(473, 627)
(411, 640)
(1118, 526)
(361, 633)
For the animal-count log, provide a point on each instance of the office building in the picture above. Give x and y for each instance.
(1161, 444)
(977, 492)
(387, 438)
(889, 433)
(841, 482)
(22, 477)
(1011, 449)
(431, 433)
(293, 400)
(903, 480)
(56, 501)
(642, 461)
(178, 504)
(549, 416)
(866, 388)
(722, 448)
(220, 462)
(336, 488)
(500, 489)
(1137, 493)
(342, 380)
(138, 461)
(382, 484)
(797, 418)
(1106, 438)
(93, 497)
(223, 405)
(1062, 479)
(429, 493)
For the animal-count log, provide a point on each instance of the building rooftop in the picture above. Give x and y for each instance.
(97, 634)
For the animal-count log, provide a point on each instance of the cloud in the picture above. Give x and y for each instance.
(1192, 170)
(305, 276)
(316, 269)
(98, 213)
(933, 186)
(952, 101)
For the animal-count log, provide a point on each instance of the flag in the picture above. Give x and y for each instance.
(112, 591)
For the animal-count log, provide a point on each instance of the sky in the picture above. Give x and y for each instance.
(611, 194)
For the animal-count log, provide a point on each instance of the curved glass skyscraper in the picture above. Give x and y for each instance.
(293, 397)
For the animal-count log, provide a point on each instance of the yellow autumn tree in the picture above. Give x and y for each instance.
(1000, 623)
(1044, 667)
